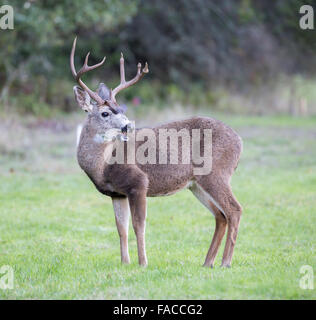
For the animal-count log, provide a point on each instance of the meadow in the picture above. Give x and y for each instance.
(59, 234)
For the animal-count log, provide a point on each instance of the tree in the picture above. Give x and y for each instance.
(43, 33)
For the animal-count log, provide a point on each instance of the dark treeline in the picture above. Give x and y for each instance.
(234, 43)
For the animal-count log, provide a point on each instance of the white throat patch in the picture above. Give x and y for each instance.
(110, 135)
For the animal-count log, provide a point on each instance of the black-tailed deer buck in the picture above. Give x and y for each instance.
(130, 182)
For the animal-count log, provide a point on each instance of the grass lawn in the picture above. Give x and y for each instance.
(59, 234)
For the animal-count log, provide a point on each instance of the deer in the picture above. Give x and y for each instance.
(129, 185)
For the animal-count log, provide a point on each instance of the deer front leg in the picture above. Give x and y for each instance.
(122, 211)
(137, 202)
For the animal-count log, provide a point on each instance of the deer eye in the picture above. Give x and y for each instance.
(104, 114)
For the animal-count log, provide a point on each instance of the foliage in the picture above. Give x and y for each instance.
(189, 44)
(237, 42)
(44, 31)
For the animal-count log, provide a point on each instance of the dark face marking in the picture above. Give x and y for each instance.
(115, 108)
(115, 111)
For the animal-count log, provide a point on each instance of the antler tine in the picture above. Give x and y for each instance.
(85, 68)
(122, 69)
(124, 84)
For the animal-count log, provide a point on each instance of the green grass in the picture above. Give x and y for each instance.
(59, 234)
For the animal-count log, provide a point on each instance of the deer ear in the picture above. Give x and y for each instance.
(83, 99)
(103, 91)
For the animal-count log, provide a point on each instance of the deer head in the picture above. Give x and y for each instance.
(104, 113)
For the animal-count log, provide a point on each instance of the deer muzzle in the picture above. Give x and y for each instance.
(127, 128)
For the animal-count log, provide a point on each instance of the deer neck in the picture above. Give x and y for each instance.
(93, 153)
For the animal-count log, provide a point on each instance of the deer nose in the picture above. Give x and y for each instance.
(128, 127)
(124, 129)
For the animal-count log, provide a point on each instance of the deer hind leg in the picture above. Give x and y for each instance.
(224, 200)
(220, 227)
(122, 212)
(137, 202)
(233, 219)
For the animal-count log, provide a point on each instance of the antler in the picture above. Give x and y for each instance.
(129, 83)
(85, 68)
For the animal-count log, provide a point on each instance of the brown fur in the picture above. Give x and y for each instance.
(138, 181)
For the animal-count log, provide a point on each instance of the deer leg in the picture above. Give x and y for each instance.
(138, 207)
(220, 227)
(223, 198)
(233, 220)
(219, 233)
(121, 210)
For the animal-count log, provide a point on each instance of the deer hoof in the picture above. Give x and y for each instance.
(205, 265)
(226, 266)
(143, 265)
